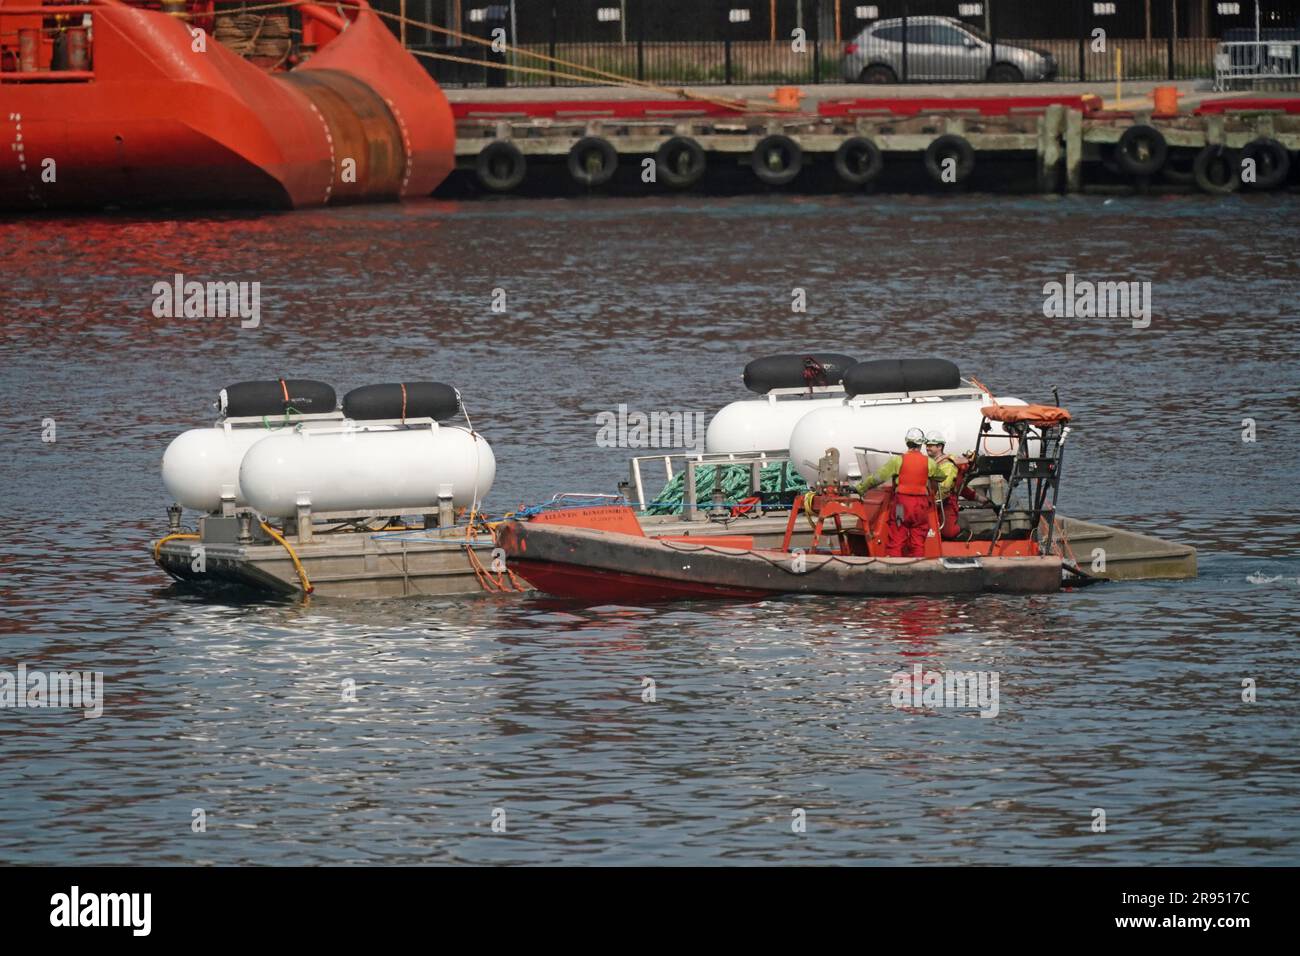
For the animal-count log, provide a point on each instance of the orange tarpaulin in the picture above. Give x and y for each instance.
(1040, 414)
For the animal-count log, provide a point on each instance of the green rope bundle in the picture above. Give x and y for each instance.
(735, 485)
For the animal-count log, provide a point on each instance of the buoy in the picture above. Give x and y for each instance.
(366, 468)
(881, 424)
(787, 370)
(762, 424)
(277, 397)
(201, 466)
(400, 401)
(893, 376)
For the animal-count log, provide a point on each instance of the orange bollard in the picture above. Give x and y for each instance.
(1166, 100)
(787, 97)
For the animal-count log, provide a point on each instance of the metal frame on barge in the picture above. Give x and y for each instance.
(339, 553)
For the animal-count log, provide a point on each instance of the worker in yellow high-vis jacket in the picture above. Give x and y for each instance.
(911, 473)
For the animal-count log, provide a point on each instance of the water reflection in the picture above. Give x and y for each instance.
(1126, 696)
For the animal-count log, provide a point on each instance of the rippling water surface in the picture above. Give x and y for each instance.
(1125, 697)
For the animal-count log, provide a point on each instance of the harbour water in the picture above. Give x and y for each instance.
(533, 714)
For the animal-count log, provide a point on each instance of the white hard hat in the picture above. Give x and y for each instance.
(914, 436)
(934, 438)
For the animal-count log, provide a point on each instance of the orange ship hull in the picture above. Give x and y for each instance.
(150, 120)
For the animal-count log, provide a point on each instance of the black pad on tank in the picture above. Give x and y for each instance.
(901, 375)
(787, 371)
(279, 396)
(402, 400)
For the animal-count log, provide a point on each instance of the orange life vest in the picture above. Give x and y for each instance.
(914, 474)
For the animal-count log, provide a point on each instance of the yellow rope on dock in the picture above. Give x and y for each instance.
(302, 575)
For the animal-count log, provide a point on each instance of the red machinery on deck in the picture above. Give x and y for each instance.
(106, 103)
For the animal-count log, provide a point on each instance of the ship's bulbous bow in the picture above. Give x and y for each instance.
(159, 122)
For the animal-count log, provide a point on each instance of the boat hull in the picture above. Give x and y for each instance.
(604, 566)
(157, 123)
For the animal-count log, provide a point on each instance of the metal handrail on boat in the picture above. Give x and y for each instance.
(756, 460)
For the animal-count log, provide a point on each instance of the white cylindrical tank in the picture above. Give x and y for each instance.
(365, 469)
(202, 464)
(761, 424)
(882, 425)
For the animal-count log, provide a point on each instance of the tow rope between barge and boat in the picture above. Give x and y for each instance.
(485, 579)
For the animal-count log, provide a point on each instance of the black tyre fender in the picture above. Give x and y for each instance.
(500, 166)
(858, 161)
(1211, 160)
(1272, 162)
(1141, 150)
(581, 167)
(949, 145)
(680, 162)
(778, 147)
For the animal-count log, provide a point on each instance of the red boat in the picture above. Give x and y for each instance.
(105, 103)
(602, 553)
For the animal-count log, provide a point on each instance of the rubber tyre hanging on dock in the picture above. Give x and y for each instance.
(592, 161)
(1272, 162)
(858, 161)
(680, 162)
(1141, 150)
(949, 146)
(776, 159)
(500, 166)
(1217, 170)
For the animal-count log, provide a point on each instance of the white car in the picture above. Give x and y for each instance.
(939, 48)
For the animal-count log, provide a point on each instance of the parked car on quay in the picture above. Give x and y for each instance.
(939, 48)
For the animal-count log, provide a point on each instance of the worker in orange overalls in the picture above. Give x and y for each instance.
(912, 472)
(952, 485)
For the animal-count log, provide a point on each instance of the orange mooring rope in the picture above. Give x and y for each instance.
(485, 579)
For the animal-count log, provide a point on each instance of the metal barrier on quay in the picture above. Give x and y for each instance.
(1247, 62)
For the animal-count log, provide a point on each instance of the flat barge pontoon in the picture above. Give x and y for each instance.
(448, 561)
